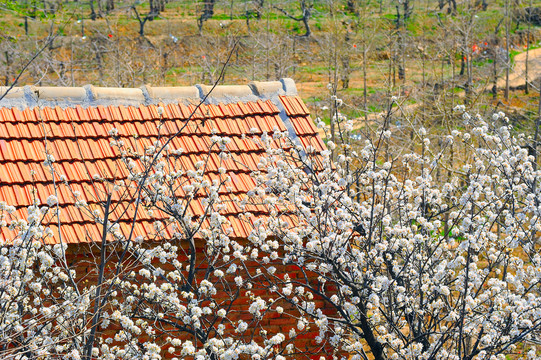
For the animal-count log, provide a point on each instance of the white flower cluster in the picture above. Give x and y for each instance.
(391, 256)
(420, 264)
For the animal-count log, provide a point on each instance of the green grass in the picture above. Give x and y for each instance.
(320, 70)
(180, 70)
(482, 62)
(375, 108)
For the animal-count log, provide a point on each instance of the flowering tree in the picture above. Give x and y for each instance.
(414, 268)
(370, 250)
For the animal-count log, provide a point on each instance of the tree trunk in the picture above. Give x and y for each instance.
(507, 59)
(351, 6)
(306, 26)
(462, 62)
(527, 87)
(142, 27)
(110, 5)
(407, 10)
(494, 43)
(346, 70)
(365, 97)
(452, 7)
(142, 21)
(92, 11)
(8, 63)
(400, 24)
(403, 34)
(100, 8)
(208, 11)
(484, 5)
(494, 73)
(306, 13)
(71, 64)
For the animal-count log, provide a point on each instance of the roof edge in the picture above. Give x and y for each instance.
(89, 95)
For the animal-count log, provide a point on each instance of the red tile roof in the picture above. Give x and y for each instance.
(75, 130)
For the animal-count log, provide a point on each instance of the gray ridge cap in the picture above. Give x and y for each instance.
(89, 95)
(30, 96)
(289, 86)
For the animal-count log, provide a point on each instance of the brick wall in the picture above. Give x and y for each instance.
(83, 259)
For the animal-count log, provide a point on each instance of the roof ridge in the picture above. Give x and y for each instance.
(89, 95)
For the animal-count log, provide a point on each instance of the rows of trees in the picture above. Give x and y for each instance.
(414, 49)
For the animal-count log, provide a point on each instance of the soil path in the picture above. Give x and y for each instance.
(517, 76)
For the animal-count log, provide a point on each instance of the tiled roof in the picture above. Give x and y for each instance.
(72, 124)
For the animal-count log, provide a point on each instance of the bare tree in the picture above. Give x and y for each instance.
(153, 12)
(206, 13)
(507, 47)
(306, 8)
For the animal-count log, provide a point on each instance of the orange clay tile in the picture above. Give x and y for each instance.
(153, 109)
(287, 105)
(234, 127)
(253, 108)
(292, 105)
(185, 111)
(215, 111)
(169, 128)
(13, 173)
(298, 108)
(101, 110)
(82, 113)
(201, 146)
(29, 115)
(265, 108)
(302, 105)
(114, 112)
(126, 116)
(235, 110)
(173, 111)
(299, 126)
(195, 112)
(221, 126)
(10, 130)
(306, 124)
(94, 114)
(17, 114)
(23, 130)
(60, 114)
(4, 149)
(78, 138)
(226, 110)
(66, 130)
(6, 115)
(244, 109)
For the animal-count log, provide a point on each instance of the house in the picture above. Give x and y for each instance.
(73, 125)
(76, 132)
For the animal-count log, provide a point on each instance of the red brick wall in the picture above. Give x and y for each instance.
(83, 259)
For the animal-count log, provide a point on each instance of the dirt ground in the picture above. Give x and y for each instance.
(517, 77)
